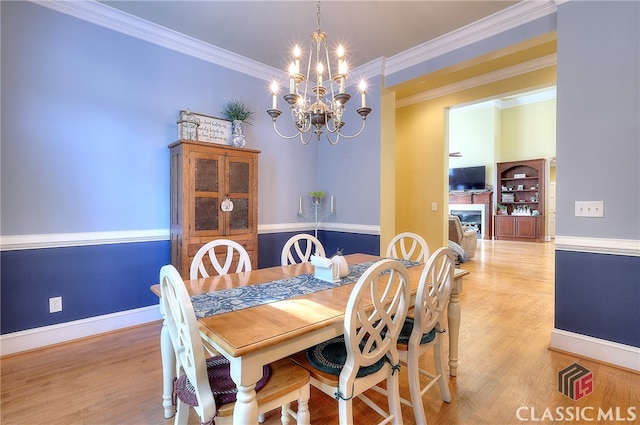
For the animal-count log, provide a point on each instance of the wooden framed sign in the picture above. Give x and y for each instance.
(213, 129)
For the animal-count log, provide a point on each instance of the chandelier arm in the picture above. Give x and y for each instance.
(299, 133)
(355, 135)
(333, 142)
(329, 74)
(305, 142)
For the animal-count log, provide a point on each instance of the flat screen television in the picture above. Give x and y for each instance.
(467, 178)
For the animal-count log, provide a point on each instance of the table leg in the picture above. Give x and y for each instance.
(168, 370)
(243, 374)
(453, 314)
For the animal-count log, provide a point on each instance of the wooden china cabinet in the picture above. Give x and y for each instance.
(522, 187)
(203, 177)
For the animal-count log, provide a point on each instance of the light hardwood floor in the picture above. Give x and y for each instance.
(505, 364)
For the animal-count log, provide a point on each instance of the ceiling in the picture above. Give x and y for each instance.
(266, 30)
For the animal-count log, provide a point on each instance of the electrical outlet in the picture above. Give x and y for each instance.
(434, 206)
(55, 304)
(589, 209)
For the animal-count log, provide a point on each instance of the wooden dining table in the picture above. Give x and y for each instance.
(255, 336)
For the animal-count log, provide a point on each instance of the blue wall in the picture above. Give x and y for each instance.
(598, 295)
(270, 245)
(598, 156)
(93, 280)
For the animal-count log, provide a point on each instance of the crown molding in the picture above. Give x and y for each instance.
(520, 100)
(512, 17)
(490, 77)
(116, 20)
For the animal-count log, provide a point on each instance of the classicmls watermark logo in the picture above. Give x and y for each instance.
(575, 381)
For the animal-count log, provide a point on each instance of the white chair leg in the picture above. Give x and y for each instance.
(345, 410)
(303, 416)
(415, 389)
(182, 414)
(284, 414)
(393, 391)
(443, 382)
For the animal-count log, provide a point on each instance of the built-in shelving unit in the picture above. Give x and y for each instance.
(522, 187)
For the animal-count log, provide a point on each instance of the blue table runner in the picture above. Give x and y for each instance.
(228, 300)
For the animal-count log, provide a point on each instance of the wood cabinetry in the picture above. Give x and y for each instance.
(203, 176)
(522, 192)
(518, 227)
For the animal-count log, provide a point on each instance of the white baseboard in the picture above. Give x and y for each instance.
(613, 353)
(16, 342)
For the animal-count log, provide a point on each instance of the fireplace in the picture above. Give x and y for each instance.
(471, 216)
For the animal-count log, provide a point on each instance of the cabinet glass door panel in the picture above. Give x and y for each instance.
(239, 217)
(206, 175)
(238, 177)
(206, 213)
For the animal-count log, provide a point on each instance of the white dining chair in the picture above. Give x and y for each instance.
(294, 252)
(367, 354)
(423, 331)
(205, 384)
(408, 246)
(219, 256)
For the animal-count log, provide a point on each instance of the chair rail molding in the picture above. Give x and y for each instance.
(627, 247)
(60, 240)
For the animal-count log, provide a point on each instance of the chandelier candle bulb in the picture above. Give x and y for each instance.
(296, 55)
(320, 70)
(274, 90)
(363, 87)
(292, 81)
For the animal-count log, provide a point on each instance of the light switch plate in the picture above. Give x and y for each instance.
(589, 209)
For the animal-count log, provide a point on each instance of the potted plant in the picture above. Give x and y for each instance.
(316, 196)
(238, 113)
(501, 209)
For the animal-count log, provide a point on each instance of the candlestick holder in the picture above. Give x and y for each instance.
(316, 215)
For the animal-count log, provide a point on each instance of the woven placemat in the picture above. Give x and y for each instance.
(223, 388)
(405, 333)
(330, 356)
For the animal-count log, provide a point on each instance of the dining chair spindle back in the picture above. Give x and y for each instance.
(294, 252)
(424, 330)
(219, 256)
(346, 366)
(408, 246)
(199, 378)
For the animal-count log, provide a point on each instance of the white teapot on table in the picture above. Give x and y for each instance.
(330, 269)
(341, 268)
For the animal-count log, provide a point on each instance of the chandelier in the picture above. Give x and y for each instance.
(313, 106)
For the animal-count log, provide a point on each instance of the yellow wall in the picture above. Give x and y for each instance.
(475, 133)
(529, 131)
(421, 154)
